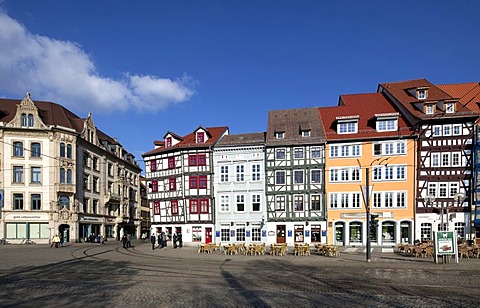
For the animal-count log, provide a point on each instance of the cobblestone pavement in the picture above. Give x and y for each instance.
(108, 275)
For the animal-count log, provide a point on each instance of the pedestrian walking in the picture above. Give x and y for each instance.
(164, 240)
(124, 241)
(55, 241)
(129, 240)
(152, 240)
(180, 241)
(175, 238)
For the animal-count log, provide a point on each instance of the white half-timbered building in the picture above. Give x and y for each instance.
(179, 176)
(239, 168)
(295, 163)
(444, 155)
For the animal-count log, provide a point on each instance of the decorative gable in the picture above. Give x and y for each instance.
(89, 132)
(171, 139)
(201, 135)
(27, 115)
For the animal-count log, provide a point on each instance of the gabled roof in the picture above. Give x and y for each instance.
(366, 108)
(400, 92)
(467, 93)
(173, 135)
(189, 141)
(292, 122)
(242, 139)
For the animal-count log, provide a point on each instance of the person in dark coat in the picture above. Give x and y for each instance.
(152, 240)
(164, 239)
(175, 238)
(124, 241)
(159, 241)
(179, 238)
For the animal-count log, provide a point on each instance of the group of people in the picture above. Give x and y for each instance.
(161, 239)
(57, 241)
(127, 240)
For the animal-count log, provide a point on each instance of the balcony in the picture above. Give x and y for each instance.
(64, 187)
(112, 197)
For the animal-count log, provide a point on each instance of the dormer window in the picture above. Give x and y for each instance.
(200, 137)
(168, 142)
(422, 93)
(387, 125)
(279, 135)
(449, 107)
(347, 124)
(429, 109)
(305, 133)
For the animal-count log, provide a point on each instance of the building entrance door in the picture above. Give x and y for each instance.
(281, 238)
(208, 235)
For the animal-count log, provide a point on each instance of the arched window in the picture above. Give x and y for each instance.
(24, 120)
(35, 150)
(64, 202)
(69, 151)
(18, 149)
(62, 175)
(69, 176)
(62, 149)
(30, 120)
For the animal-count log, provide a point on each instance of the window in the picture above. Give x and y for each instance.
(24, 120)
(456, 159)
(315, 202)
(345, 150)
(224, 203)
(110, 169)
(85, 205)
(204, 206)
(421, 94)
(442, 190)
(240, 175)
(69, 151)
(36, 176)
(194, 206)
(453, 189)
(457, 129)
(200, 137)
(85, 182)
(298, 203)
(174, 207)
(460, 228)
(432, 189)
(280, 177)
(256, 203)
(95, 163)
(240, 233)
(240, 203)
(280, 154)
(153, 165)
(449, 107)
(202, 159)
(387, 125)
(172, 184)
(197, 233)
(298, 176)
(435, 160)
(36, 202)
(85, 159)
(171, 162)
(224, 174)
(95, 207)
(256, 235)
(18, 149)
(69, 176)
(17, 174)
(225, 233)
(356, 200)
(154, 186)
(436, 131)
(316, 152)
(192, 160)
(279, 203)
(64, 202)
(30, 120)
(202, 181)
(447, 130)
(426, 231)
(316, 176)
(256, 172)
(305, 133)
(279, 135)
(298, 153)
(95, 184)
(347, 127)
(18, 201)
(156, 207)
(445, 159)
(193, 182)
(35, 149)
(168, 142)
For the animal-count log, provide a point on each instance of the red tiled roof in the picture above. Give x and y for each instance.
(467, 93)
(190, 142)
(399, 90)
(366, 107)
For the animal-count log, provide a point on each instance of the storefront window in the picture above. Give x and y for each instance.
(316, 233)
(299, 233)
(355, 232)
(196, 234)
(388, 232)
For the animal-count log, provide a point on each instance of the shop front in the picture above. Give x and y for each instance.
(27, 226)
(90, 227)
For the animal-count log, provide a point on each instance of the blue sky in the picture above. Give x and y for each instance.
(147, 67)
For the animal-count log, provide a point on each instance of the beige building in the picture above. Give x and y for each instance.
(61, 175)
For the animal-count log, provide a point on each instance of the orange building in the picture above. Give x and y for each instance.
(365, 133)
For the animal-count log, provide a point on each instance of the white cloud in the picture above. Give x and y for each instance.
(62, 72)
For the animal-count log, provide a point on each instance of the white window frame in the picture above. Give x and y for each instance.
(347, 127)
(449, 107)
(224, 203)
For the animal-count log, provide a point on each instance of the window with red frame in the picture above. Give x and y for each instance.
(171, 162)
(153, 165)
(156, 207)
(202, 181)
(203, 205)
(172, 184)
(174, 207)
(193, 206)
(202, 159)
(193, 181)
(192, 160)
(154, 185)
(200, 137)
(168, 142)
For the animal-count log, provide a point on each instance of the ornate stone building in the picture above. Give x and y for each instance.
(61, 175)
